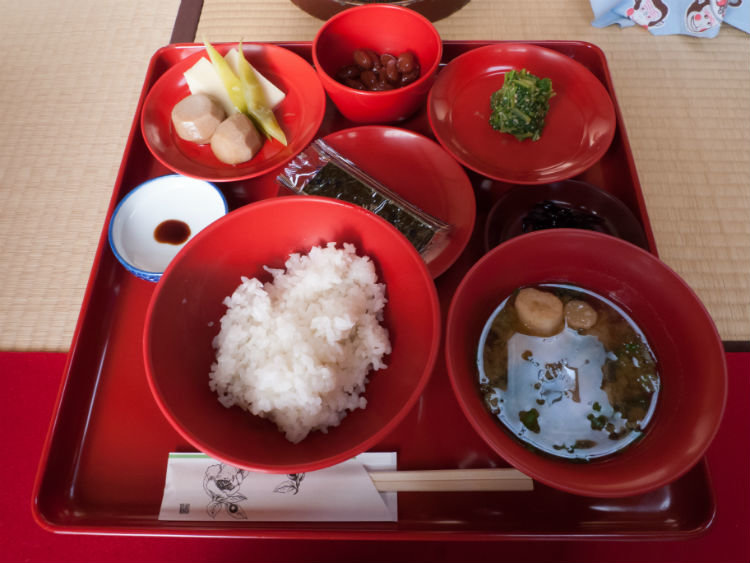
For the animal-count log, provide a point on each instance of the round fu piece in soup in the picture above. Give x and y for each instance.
(567, 372)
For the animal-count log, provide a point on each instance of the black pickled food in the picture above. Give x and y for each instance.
(551, 215)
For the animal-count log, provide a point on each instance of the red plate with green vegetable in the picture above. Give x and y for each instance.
(579, 126)
(299, 115)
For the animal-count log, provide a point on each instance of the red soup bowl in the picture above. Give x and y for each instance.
(184, 313)
(682, 336)
(381, 28)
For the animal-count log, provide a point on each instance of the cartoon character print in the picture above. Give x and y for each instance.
(722, 6)
(222, 484)
(648, 13)
(703, 15)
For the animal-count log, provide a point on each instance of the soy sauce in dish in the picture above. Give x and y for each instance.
(172, 231)
(584, 388)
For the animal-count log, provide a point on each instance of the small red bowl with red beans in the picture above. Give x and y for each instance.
(377, 61)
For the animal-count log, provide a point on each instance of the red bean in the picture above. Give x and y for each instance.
(391, 72)
(349, 71)
(375, 58)
(362, 59)
(385, 57)
(406, 62)
(368, 78)
(354, 83)
(410, 77)
(373, 71)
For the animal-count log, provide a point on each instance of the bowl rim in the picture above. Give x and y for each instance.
(380, 432)
(510, 455)
(147, 184)
(425, 75)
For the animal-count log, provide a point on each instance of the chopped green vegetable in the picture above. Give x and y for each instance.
(597, 422)
(530, 419)
(255, 100)
(230, 80)
(521, 105)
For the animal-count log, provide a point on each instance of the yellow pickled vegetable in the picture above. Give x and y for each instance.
(255, 101)
(232, 84)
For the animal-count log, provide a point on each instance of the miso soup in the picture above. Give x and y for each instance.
(567, 372)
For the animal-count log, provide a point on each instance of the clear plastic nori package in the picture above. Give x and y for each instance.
(320, 170)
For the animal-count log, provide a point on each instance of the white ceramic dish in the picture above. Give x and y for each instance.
(188, 204)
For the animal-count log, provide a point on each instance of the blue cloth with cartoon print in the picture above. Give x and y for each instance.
(699, 18)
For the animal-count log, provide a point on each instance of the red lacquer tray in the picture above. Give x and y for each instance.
(104, 461)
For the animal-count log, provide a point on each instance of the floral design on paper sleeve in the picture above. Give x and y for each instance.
(222, 484)
(291, 485)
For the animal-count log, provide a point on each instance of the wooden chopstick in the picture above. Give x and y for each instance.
(452, 480)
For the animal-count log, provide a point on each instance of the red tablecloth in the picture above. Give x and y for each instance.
(31, 386)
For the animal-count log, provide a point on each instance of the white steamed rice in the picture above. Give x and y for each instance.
(298, 350)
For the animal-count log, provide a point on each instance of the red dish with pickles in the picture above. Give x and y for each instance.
(299, 114)
(105, 374)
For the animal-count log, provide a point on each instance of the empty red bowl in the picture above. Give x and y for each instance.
(183, 318)
(384, 29)
(682, 335)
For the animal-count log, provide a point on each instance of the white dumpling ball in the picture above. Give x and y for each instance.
(196, 118)
(236, 140)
